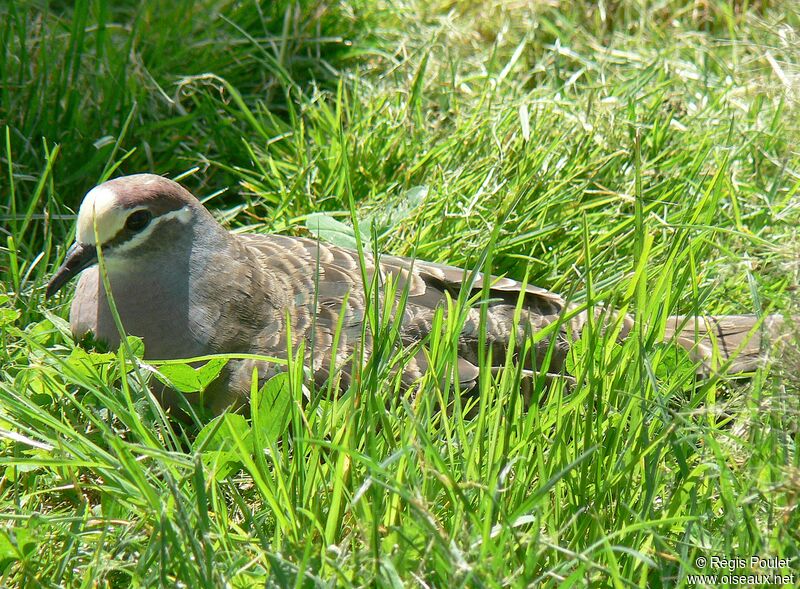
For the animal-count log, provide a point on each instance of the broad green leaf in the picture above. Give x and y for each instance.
(8, 316)
(136, 345)
(332, 231)
(219, 451)
(81, 363)
(215, 434)
(15, 543)
(181, 377)
(397, 210)
(210, 370)
(672, 362)
(59, 323)
(42, 332)
(13, 471)
(8, 552)
(270, 408)
(187, 379)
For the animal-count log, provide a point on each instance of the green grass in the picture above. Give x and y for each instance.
(642, 154)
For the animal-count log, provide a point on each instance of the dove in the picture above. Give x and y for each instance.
(189, 288)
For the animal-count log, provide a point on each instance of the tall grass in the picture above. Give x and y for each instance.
(641, 155)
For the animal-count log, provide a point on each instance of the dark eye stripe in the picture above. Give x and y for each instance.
(134, 224)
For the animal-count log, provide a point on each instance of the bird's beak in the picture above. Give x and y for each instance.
(79, 257)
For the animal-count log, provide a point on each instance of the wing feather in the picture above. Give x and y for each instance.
(320, 282)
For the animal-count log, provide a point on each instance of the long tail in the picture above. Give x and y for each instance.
(718, 344)
(730, 344)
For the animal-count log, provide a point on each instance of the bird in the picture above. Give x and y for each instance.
(189, 288)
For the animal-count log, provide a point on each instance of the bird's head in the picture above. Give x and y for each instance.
(128, 217)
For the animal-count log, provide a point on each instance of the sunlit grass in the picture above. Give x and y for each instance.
(643, 158)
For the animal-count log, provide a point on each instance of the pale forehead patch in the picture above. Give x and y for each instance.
(100, 203)
(102, 207)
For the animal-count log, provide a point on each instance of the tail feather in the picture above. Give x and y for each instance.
(728, 343)
(718, 344)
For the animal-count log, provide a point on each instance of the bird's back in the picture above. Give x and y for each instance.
(323, 295)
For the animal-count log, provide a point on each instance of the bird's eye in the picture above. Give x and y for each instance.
(138, 220)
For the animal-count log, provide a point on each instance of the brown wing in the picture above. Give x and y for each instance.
(440, 278)
(319, 282)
